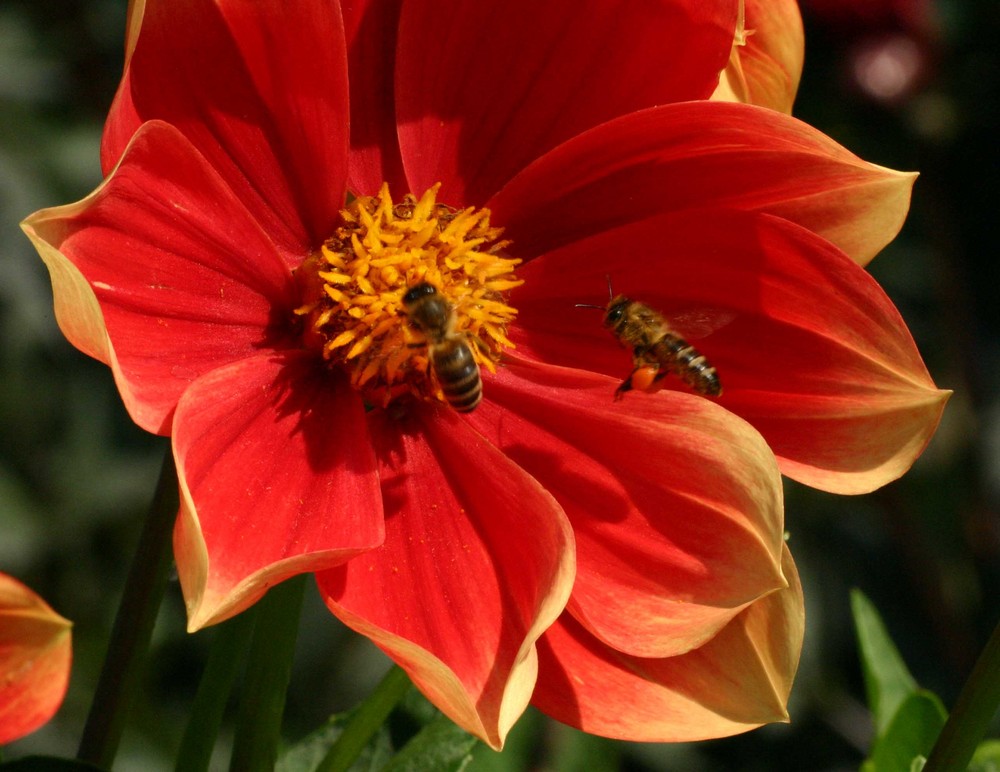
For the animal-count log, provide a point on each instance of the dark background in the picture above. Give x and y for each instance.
(911, 85)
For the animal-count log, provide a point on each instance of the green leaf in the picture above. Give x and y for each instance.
(418, 708)
(887, 680)
(986, 758)
(48, 764)
(305, 755)
(910, 734)
(441, 746)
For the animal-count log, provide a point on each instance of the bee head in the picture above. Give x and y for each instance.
(616, 310)
(416, 293)
(427, 308)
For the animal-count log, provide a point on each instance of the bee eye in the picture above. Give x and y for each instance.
(414, 293)
(614, 315)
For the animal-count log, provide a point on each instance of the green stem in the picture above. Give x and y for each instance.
(228, 645)
(970, 718)
(366, 720)
(133, 627)
(258, 726)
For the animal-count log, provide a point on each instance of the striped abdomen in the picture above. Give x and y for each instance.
(687, 363)
(457, 373)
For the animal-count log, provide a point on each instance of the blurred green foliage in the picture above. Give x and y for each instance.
(76, 475)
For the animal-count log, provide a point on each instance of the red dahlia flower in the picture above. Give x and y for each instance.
(620, 564)
(35, 654)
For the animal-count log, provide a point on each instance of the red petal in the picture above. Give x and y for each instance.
(261, 91)
(371, 27)
(735, 682)
(484, 88)
(675, 503)
(277, 476)
(165, 263)
(35, 655)
(811, 352)
(703, 154)
(477, 563)
(766, 63)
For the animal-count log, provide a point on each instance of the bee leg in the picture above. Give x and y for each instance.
(639, 379)
(624, 386)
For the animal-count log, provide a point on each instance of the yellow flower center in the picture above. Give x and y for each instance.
(353, 292)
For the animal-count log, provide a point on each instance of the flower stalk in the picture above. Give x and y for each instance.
(133, 627)
(269, 667)
(973, 711)
(369, 716)
(225, 656)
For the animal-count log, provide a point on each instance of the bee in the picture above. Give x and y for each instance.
(450, 356)
(657, 350)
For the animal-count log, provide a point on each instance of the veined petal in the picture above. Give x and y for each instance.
(808, 348)
(737, 681)
(371, 27)
(260, 89)
(675, 503)
(703, 154)
(277, 478)
(35, 655)
(478, 561)
(766, 62)
(161, 273)
(483, 88)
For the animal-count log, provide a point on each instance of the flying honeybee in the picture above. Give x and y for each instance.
(450, 356)
(657, 350)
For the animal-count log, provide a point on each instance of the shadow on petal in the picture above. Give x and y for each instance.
(278, 477)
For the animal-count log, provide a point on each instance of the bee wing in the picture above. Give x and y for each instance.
(695, 323)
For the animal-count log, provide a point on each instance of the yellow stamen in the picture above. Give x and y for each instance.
(353, 287)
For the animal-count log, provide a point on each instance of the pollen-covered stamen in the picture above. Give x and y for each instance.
(353, 288)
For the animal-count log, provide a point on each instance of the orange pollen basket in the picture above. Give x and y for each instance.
(353, 289)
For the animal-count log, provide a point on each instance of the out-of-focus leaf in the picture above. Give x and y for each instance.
(439, 747)
(305, 755)
(575, 750)
(887, 680)
(48, 764)
(918, 764)
(417, 708)
(910, 735)
(986, 758)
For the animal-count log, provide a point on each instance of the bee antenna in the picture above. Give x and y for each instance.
(611, 294)
(589, 305)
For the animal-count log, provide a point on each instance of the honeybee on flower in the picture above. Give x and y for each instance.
(451, 358)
